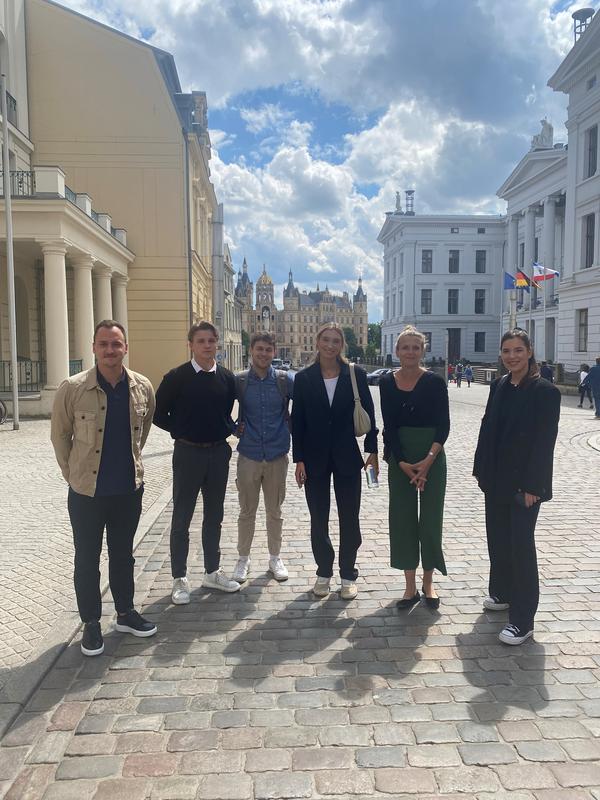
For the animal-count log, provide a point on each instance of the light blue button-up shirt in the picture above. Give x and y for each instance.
(266, 433)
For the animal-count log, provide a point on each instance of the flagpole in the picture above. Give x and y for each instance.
(544, 307)
(530, 300)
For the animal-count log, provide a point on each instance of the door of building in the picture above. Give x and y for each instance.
(453, 345)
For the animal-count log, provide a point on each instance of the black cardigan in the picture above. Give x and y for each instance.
(322, 433)
(518, 456)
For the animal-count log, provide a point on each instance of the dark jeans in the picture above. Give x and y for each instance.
(597, 402)
(582, 394)
(120, 515)
(347, 496)
(513, 560)
(198, 469)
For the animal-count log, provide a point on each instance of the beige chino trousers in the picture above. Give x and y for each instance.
(251, 476)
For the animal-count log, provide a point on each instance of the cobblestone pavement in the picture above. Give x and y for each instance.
(270, 694)
(36, 565)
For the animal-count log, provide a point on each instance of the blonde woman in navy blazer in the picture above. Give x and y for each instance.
(324, 444)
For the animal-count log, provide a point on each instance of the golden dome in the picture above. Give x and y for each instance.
(264, 278)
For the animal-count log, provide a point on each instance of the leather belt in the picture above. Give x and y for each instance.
(200, 444)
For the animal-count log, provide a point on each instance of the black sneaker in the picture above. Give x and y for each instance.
(132, 622)
(510, 634)
(92, 643)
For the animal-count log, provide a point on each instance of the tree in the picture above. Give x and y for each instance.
(245, 345)
(374, 336)
(354, 351)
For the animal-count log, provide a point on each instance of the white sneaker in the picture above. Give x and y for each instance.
(493, 604)
(349, 589)
(321, 587)
(218, 580)
(180, 593)
(277, 567)
(510, 634)
(240, 573)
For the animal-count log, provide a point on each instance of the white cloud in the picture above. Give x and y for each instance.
(268, 116)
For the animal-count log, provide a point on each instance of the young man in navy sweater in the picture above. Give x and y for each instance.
(194, 403)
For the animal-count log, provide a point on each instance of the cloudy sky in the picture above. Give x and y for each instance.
(320, 110)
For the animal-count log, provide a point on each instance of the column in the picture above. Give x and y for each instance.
(103, 296)
(119, 298)
(513, 244)
(83, 309)
(548, 243)
(529, 240)
(55, 313)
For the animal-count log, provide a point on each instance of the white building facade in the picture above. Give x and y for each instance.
(443, 274)
(579, 308)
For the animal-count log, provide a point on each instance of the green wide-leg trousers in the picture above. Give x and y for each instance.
(415, 519)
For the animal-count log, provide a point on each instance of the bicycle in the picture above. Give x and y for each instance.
(3, 412)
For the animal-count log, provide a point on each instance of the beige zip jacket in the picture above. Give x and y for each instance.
(77, 426)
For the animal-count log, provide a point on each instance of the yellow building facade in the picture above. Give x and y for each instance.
(110, 111)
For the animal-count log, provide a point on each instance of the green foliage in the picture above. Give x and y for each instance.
(374, 336)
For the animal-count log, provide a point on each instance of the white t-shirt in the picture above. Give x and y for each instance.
(330, 384)
(582, 376)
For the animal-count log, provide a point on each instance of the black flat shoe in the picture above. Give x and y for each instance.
(408, 602)
(431, 602)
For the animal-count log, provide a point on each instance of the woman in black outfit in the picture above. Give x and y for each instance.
(324, 444)
(513, 466)
(416, 421)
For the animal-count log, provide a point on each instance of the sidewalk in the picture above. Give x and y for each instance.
(268, 693)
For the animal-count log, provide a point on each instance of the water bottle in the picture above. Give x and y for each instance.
(372, 481)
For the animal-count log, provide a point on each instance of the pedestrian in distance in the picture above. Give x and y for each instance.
(583, 388)
(546, 372)
(450, 373)
(100, 422)
(513, 466)
(194, 403)
(416, 424)
(458, 372)
(592, 381)
(324, 445)
(469, 375)
(263, 395)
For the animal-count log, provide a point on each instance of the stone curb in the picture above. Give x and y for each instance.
(17, 691)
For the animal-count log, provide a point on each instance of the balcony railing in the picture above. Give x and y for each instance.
(70, 195)
(11, 109)
(22, 183)
(31, 374)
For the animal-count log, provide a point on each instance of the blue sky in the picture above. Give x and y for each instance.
(320, 110)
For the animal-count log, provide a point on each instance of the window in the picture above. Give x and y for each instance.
(453, 301)
(590, 154)
(401, 270)
(453, 230)
(480, 301)
(394, 305)
(400, 303)
(521, 255)
(427, 261)
(582, 330)
(387, 307)
(453, 260)
(591, 83)
(480, 230)
(425, 301)
(427, 335)
(479, 342)
(480, 256)
(589, 235)
(394, 268)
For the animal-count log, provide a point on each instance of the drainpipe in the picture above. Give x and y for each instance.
(188, 229)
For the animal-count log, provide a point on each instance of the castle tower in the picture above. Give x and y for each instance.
(360, 316)
(265, 302)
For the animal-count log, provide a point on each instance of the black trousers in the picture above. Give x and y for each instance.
(198, 469)
(120, 515)
(347, 496)
(513, 561)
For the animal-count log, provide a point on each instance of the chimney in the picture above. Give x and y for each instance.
(410, 203)
(581, 19)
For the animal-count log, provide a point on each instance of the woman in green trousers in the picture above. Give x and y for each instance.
(414, 406)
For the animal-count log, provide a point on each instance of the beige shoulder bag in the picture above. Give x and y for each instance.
(362, 421)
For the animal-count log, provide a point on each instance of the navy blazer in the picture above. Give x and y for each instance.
(523, 461)
(324, 434)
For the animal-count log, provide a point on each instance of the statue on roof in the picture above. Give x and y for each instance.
(545, 138)
(398, 203)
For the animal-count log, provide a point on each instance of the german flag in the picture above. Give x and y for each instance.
(523, 282)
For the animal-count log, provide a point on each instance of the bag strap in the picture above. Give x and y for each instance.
(354, 386)
(241, 384)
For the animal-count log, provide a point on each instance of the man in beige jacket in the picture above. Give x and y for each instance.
(100, 421)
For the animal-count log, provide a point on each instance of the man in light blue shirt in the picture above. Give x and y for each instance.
(263, 394)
